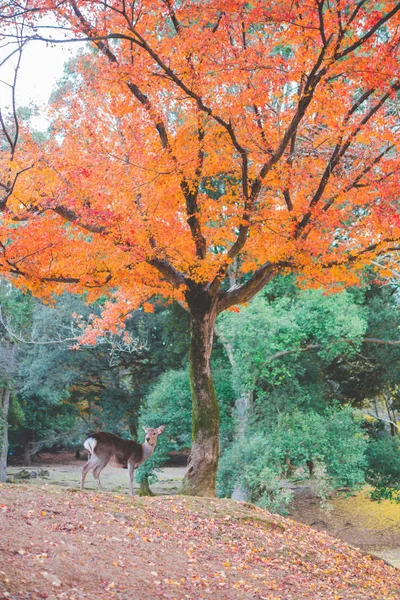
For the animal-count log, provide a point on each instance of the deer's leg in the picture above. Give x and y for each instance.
(102, 462)
(91, 463)
(96, 475)
(131, 471)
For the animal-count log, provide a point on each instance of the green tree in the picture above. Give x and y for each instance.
(14, 312)
(330, 447)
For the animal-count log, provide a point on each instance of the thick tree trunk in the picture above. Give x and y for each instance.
(5, 405)
(202, 470)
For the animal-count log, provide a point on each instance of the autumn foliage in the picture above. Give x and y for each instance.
(200, 148)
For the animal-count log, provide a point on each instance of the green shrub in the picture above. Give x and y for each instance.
(334, 439)
(333, 443)
(252, 465)
(383, 473)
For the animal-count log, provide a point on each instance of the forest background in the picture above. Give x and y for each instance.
(308, 391)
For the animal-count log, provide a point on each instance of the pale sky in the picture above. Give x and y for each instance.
(41, 68)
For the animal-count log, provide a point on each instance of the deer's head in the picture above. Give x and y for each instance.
(152, 434)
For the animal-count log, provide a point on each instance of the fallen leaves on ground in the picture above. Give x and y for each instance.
(59, 544)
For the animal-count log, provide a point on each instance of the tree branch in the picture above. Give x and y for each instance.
(22, 340)
(341, 149)
(318, 346)
(384, 420)
(371, 248)
(173, 276)
(356, 181)
(240, 294)
(139, 95)
(370, 33)
(72, 217)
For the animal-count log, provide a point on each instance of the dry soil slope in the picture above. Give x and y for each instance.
(61, 543)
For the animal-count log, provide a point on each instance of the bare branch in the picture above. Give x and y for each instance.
(22, 340)
(384, 420)
(10, 126)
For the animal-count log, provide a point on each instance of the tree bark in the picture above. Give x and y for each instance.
(200, 478)
(5, 405)
(243, 404)
(28, 439)
(144, 489)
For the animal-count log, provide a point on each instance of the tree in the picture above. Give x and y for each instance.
(6, 380)
(204, 149)
(14, 311)
(283, 344)
(59, 383)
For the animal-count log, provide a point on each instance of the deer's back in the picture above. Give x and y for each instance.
(122, 450)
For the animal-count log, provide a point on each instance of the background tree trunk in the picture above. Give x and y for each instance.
(5, 405)
(203, 462)
(28, 440)
(243, 409)
(243, 404)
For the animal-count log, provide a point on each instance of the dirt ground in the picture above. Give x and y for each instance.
(58, 543)
(373, 527)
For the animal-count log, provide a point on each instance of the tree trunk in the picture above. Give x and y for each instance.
(203, 462)
(5, 405)
(243, 404)
(391, 414)
(144, 489)
(243, 408)
(28, 439)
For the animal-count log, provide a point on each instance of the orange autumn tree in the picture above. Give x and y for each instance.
(201, 149)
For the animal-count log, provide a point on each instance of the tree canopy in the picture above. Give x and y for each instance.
(200, 132)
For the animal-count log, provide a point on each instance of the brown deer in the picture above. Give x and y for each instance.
(104, 447)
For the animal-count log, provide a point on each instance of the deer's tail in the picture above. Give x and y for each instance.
(90, 444)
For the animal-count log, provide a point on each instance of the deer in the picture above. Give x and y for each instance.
(104, 447)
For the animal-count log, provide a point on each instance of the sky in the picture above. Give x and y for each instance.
(41, 68)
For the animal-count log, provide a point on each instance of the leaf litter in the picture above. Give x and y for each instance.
(63, 544)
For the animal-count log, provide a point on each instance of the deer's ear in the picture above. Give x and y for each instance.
(145, 428)
(161, 429)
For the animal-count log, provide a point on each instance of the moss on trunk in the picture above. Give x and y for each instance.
(144, 489)
(201, 475)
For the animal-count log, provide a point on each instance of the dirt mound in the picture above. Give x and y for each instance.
(59, 543)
